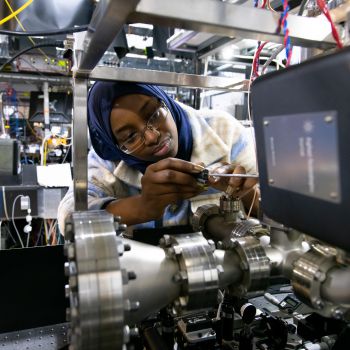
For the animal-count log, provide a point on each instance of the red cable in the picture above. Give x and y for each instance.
(323, 6)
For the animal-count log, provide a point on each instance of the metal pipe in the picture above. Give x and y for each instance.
(153, 287)
(336, 286)
(219, 228)
(231, 272)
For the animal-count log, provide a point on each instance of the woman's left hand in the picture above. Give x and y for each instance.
(236, 186)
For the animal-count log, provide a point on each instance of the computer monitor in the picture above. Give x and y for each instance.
(60, 107)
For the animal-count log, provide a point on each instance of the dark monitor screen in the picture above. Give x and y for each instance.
(60, 107)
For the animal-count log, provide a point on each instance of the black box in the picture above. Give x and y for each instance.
(302, 126)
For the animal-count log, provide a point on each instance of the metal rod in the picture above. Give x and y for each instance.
(80, 144)
(255, 176)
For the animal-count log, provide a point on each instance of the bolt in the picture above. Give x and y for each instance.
(266, 122)
(126, 333)
(318, 304)
(121, 228)
(165, 241)
(233, 243)
(68, 315)
(71, 251)
(127, 247)
(271, 181)
(328, 119)
(220, 269)
(211, 245)
(338, 314)
(117, 218)
(131, 275)
(134, 332)
(66, 269)
(177, 250)
(131, 305)
(67, 290)
(320, 276)
(69, 234)
(73, 282)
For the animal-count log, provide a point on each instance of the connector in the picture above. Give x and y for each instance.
(25, 203)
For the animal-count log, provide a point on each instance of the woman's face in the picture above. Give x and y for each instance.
(129, 116)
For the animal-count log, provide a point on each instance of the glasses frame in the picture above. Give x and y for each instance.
(148, 126)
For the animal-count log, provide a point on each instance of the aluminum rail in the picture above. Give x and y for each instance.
(168, 78)
(233, 20)
(80, 144)
(31, 78)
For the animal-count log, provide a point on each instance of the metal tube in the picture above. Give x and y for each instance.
(336, 287)
(80, 144)
(219, 228)
(153, 287)
(231, 272)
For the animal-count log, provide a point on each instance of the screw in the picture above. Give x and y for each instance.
(338, 314)
(271, 181)
(328, 119)
(266, 122)
(127, 247)
(131, 275)
(67, 290)
(320, 276)
(333, 195)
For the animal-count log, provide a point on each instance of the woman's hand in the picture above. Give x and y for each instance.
(166, 182)
(237, 186)
(240, 187)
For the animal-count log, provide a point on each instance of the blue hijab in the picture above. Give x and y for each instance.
(100, 100)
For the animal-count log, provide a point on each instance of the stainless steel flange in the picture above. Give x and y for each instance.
(198, 271)
(95, 289)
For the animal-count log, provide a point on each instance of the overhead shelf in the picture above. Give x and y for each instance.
(208, 16)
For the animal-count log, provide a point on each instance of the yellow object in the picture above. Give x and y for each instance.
(14, 14)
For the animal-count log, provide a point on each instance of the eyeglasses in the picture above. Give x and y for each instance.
(137, 139)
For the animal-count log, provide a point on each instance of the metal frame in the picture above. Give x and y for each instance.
(205, 16)
(166, 78)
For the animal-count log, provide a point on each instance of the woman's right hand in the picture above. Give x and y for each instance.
(167, 182)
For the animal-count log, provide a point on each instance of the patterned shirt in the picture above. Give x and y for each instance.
(217, 136)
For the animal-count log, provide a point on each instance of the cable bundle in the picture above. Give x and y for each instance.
(283, 23)
(323, 7)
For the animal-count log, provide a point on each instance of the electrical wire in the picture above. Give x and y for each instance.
(57, 43)
(323, 7)
(253, 200)
(67, 30)
(4, 201)
(13, 220)
(272, 57)
(14, 14)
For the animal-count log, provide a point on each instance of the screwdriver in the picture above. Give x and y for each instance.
(203, 176)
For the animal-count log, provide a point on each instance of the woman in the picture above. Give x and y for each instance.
(147, 149)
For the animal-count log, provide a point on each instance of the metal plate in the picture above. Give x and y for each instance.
(302, 154)
(49, 338)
